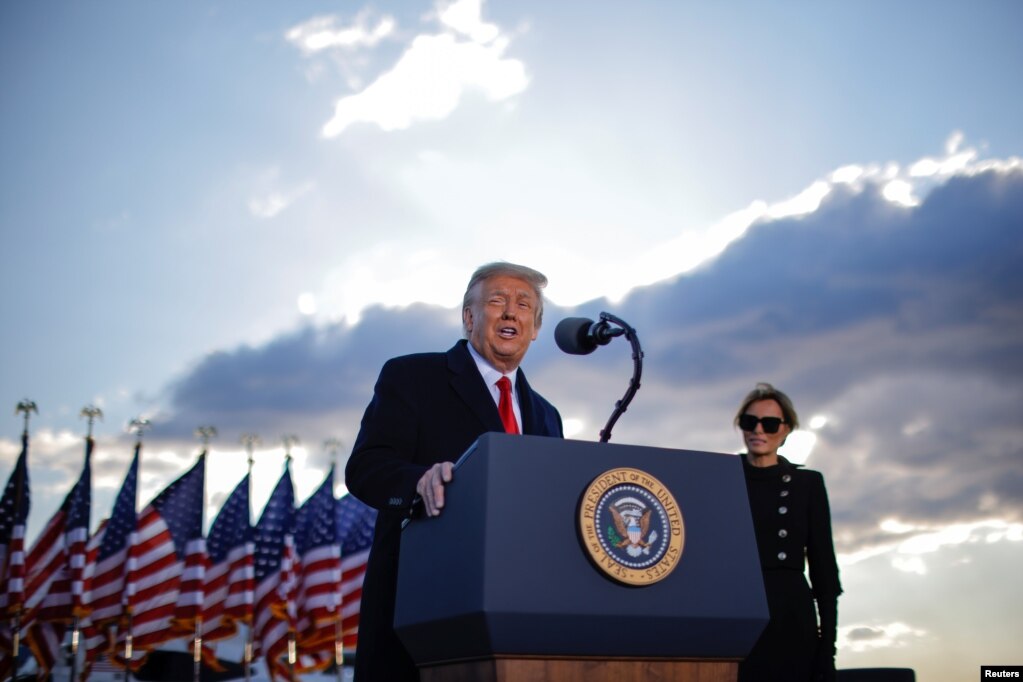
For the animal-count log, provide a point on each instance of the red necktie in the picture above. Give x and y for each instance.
(505, 406)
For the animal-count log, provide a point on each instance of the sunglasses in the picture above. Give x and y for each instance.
(748, 422)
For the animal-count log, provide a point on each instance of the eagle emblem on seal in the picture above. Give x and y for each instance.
(630, 526)
(632, 532)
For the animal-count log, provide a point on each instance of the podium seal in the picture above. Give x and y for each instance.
(631, 527)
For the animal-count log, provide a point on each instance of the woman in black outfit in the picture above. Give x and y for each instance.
(793, 528)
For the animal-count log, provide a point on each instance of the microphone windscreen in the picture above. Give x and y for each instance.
(572, 336)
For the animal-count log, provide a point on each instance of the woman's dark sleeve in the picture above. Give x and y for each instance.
(824, 662)
(820, 548)
(824, 580)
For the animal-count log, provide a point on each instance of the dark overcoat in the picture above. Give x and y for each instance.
(426, 408)
(792, 522)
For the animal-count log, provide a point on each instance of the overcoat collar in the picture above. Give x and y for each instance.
(782, 467)
(468, 384)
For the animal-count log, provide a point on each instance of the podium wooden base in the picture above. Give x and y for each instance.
(580, 670)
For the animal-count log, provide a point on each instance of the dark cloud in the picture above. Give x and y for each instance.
(303, 377)
(865, 634)
(859, 259)
(903, 325)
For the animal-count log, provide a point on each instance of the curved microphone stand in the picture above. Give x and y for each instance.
(637, 372)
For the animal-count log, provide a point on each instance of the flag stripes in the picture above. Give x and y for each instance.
(168, 538)
(54, 571)
(296, 576)
(355, 523)
(14, 506)
(353, 572)
(319, 581)
(275, 610)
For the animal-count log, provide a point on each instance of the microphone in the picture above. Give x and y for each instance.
(581, 335)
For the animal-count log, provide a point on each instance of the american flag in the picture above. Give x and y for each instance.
(230, 578)
(166, 560)
(319, 580)
(188, 609)
(355, 521)
(13, 515)
(96, 640)
(276, 565)
(105, 575)
(53, 593)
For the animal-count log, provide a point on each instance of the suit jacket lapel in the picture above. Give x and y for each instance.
(527, 406)
(468, 384)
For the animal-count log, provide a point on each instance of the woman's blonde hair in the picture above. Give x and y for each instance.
(765, 391)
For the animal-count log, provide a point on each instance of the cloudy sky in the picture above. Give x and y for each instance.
(233, 213)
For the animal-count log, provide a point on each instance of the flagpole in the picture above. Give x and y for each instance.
(28, 407)
(90, 412)
(138, 425)
(332, 445)
(249, 440)
(204, 433)
(290, 440)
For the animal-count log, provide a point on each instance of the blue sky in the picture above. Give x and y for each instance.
(232, 213)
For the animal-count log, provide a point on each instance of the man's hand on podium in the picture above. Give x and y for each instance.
(431, 487)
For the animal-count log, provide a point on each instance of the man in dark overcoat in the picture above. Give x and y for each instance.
(427, 409)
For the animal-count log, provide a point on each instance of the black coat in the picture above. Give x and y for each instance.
(792, 522)
(426, 408)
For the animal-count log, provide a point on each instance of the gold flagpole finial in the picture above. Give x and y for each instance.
(91, 412)
(205, 434)
(28, 407)
(288, 440)
(250, 441)
(332, 445)
(137, 426)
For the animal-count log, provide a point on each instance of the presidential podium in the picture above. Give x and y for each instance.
(542, 566)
